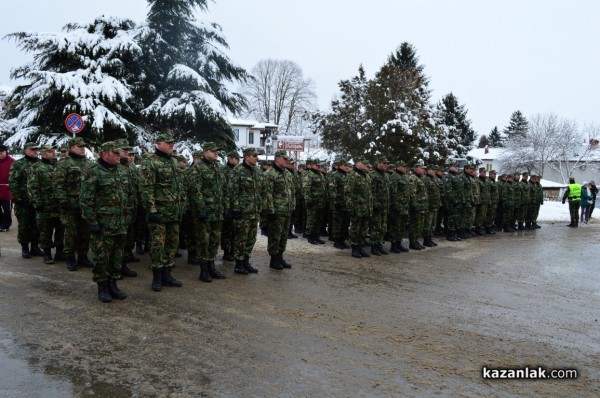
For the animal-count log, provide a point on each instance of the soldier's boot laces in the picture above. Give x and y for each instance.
(60, 254)
(204, 274)
(214, 273)
(103, 293)
(168, 280)
(356, 252)
(25, 251)
(363, 252)
(239, 268)
(156, 279)
(249, 266)
(71, 263)
(126, 271)
(274, 263)
(48, 256)
(114, 290)
(382, 250)
(284, 263)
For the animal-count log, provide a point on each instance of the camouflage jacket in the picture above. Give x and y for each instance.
(162, 187)
(537, 194)
(314, 189)
(508, 194)
(70, 172)
(433, 193)
(517, 193)
(129, 177)
(494, 191)
(245, 187)
(207, 189)
(468, 200)
(280, 193)
(337, 199)
(357, 193)
(525, 193)
(400, 198)
(475, 190)
(41, 189)
(454, 189)
(380, 189)
(484, 190)
(17, 180)
(418, 192)
(440, 184)
(103, 200)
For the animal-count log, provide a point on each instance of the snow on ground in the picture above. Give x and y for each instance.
(555, 211)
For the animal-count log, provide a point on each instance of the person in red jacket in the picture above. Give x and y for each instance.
(5, 196)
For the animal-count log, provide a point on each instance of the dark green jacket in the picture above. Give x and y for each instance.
(41, 189)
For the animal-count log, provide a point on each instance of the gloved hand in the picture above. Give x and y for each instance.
(95, 228)
(153, 217)
(236, 214)
(202, 216)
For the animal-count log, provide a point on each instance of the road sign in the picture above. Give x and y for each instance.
(74, 123)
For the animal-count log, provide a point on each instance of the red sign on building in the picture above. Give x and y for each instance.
(290, 143)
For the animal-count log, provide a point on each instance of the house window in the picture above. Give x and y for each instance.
(236, 134)
(250, 138)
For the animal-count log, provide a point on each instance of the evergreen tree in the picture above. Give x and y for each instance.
(495, 138)
(6, 127)
(451, 118)
(483, 142)
(517, 127)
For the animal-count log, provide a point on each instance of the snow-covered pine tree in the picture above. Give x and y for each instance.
(517, 126)
(185, 89)
(451, 119)
(495, 138)
(483, 141)
(6, 126)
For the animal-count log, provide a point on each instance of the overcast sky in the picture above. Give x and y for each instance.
(495, 56)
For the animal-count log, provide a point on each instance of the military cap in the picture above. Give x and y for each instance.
(524, 173)
(210, 146)
(31, 145)
(323, 163)
(123, 144)
(165, 137)
(516, 173)
(197, 154)
(46, 148)
(492, 171)
(109, 146)
(233, 154)
(292, 160)
(282, 154)
(267, 163)
(64, 147)
(361, 159)
(482, 169)
(77, 141)
(381, 159)
(401, 163)
(250, 152)
(181, 158)
(340, 160)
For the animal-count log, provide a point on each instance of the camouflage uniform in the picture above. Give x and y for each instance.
(380, 191)
(494, 199)
(313, 190)
(227, 231)
(537, 199)
(162, 196)
(475, 191)
(468, 205)
(454, 194)
(24, 211)
(400, 202)
(525, 201)
(70, 172)
(359, 205)
(418, 210)
(300, 222)
(442, 214)
(508, 199)
(42, 194)
(337, 203)
(517, 199)
(482, 208)
(434, 202)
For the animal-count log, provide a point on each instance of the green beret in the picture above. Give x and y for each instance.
(233, 154)
(282, 154)
(250, 152)
(77, 141)
(210, 146)
(165, 137)
(109, 146)
(31, 145)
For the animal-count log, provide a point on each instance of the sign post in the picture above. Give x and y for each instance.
(74, 123)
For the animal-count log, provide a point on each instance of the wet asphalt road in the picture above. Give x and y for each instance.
(414, 324)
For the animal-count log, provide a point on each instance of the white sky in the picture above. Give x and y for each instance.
(536, 56)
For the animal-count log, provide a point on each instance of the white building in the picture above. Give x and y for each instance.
(253, 134)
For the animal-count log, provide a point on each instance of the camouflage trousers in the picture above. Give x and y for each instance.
(397, 224)
(314, 221)
(429, 222)
(141, 226)
(129, 238)
(207, 239)
(300, 221)
(522, 212)
(108, 256)
(532, 213)
(227, 234)
(187, 231)
(339, 225)
(481, 216)
(467, 217)
(52, 233)
(574, 209)
(490, 217)
(515, 214)
(507, 216)
(454, 218)
(359, 227)
(416, 226)
(77, 236)
(27, 231)
(379, 223)
(442, 218)
(278, 235)
(164, 241)
(245, 236)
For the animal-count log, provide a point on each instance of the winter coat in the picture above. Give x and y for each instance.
(4, 172)
(586, 196)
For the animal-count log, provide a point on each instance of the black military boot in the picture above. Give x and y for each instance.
(126, 271)
(414, 245)
(239, 268)
(536, 226)
(312, 240)
(362, 251)
(156, 279)
(382, 250)
(131, 258)
(167, 278)
(103, 293)
(214, 273)
(394, 248)
(576, 223)
(114, 290)
(528, 225)
(427, 242)
(356, 252)
(48, 256)
(284, 263)
(248, 266)
(71, 263)
(25, 251)
(431, 241)
(402, 248)
(83, 261)
(291, 235)
(60, 254)
(204, 273)
(192, 259)
(178, 254)
(35, 250)
(452, 236)
(274, 263)
(375, 250)
(521, 227)
(227, 256)
(338, 245)
(139, 248)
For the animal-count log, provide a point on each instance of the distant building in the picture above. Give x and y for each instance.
(253, 134)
